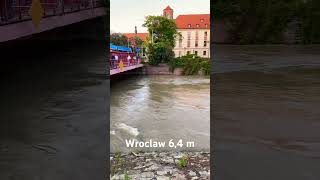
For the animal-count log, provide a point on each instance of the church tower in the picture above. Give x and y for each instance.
(168, 12)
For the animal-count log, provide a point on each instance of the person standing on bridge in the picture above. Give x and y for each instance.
(129, 60)
(116, 60)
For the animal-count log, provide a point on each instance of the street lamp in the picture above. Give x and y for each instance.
(154, 22)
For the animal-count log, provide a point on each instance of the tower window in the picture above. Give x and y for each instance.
(198, 25)
(189, 25)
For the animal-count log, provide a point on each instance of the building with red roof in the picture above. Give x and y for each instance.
(195, 31)
(193, 21)
(142, 36)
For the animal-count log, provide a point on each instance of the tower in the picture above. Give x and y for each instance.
(168, 12)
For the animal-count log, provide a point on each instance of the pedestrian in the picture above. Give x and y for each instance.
(128, 59)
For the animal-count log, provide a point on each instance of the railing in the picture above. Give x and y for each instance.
(12, 11)
(123, 56)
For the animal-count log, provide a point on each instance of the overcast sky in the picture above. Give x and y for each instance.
(125, 14)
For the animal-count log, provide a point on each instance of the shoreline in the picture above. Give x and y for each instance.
(160, 165)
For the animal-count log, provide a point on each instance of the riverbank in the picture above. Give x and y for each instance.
(160, 165)
(164, 69)
(161, 69)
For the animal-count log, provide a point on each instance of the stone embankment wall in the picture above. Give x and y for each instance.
(160, 166)
(161, 69)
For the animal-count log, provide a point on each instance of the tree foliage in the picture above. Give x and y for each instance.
(191, 64)
(264, 21)
(119, 39)
(161, 40)
(136, 41)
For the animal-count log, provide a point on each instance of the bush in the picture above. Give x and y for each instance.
(160, 52)
(191, 64)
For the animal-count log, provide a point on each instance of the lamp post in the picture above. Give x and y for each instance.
(154, 22)
(152, 36)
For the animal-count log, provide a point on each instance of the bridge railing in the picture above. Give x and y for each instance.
(115, 62)
(12, 11)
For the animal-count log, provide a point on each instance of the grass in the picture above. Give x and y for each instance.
(182, 163)
(117, 163)
(126, 177)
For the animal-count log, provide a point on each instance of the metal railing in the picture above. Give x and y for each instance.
(123, 56)
(12, 11)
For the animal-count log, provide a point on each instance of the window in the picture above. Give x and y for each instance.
(198, 25)
(189, 39)
(204, 53)
(206, 25)
(201, 20)
(188, 52)
(196, 52)
(179, 53)
(205, 39)
(180, 43)
(189, 25)
(197, 39)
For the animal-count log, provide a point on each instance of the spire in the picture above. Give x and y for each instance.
(168, 8)
(168, 12)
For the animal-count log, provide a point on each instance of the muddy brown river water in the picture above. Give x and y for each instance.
(160, 108)
(265, 108)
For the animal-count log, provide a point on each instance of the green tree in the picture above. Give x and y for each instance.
(264, 21)
(310, 15)
(161, 40)
(136, 41)
(119, 39)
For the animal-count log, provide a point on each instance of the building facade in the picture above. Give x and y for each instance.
(195, 33)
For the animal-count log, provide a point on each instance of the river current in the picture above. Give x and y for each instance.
(160, 108)
(265, 108)
(53, 111)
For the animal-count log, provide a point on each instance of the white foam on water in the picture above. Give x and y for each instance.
(131, 130)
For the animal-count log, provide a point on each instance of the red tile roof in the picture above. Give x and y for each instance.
(168, 8)
(142, 36)
(193, 21)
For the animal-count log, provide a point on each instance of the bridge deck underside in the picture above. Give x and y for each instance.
(25, 28)
(128, 68)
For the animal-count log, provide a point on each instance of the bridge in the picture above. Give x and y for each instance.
(16, 22)
(122, 59)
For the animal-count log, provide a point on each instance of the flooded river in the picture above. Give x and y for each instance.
(53, 111)
(265, 107)
(160, 108)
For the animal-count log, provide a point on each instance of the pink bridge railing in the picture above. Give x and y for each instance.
(123, 56)
(12, 11)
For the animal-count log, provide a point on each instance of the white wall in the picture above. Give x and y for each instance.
(181, 50)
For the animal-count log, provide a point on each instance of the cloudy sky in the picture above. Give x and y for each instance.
(125, 14)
